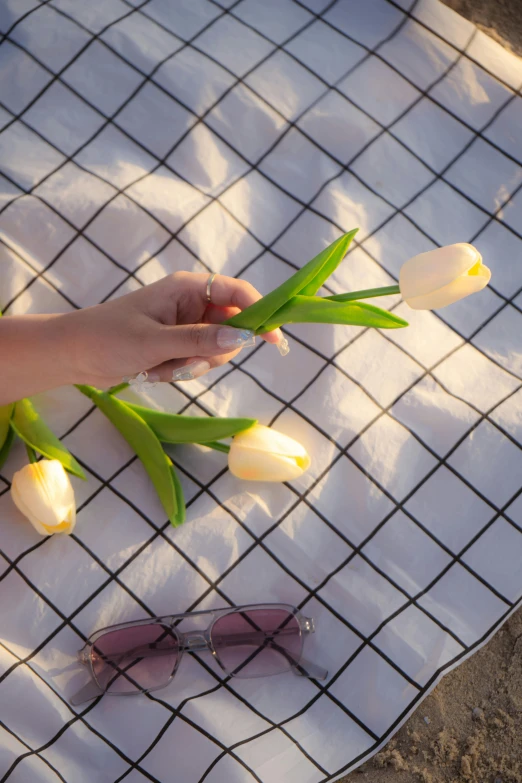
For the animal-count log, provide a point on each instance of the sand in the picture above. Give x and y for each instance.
(501, 19)
(469, 730)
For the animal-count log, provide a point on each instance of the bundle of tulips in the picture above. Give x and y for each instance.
(42, 490)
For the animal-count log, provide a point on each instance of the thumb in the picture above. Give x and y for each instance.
(179, 342)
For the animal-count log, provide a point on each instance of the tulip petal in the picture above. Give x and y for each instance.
(252, 465)
(19, 503)
(44, 494)
(263, 454)
(458, 289)
(46, 487)
(435, 269)
(265, 439)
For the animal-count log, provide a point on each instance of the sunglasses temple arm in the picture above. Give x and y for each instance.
(305, 668)
(87, 693)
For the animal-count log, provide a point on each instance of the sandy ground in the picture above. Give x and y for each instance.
(469, 730)
(501, 19)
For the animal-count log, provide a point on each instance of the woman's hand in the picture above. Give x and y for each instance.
(168, 329)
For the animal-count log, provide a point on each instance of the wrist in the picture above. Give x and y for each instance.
(62, 348)
(33, 355)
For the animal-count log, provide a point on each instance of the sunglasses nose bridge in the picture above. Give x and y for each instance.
(195, 641)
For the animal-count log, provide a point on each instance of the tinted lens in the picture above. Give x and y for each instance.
(135, 659)
(257, 642)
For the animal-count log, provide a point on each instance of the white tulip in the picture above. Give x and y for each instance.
(262, 454)
(442, 276)
(43, 493)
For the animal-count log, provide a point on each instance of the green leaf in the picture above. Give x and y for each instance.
(6, 448)
(217, 446)
(334, 259)
(146, 445)
(315, 309)
(367, 293)
(180, 500)
(31, 428)
(310, 278)
(6, 433)
(6, 411)
(172, 428)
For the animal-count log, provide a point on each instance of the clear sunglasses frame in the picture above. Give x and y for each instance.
(195, 641)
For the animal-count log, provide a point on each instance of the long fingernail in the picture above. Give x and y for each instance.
(230, 338)
(283, 347)
(142, 381)
(190, 371)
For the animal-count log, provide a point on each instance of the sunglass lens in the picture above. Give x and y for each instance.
(134, 659)
(257, 642)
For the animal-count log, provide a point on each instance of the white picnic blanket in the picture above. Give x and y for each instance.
(242, 136)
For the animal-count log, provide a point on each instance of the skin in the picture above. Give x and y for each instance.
(159, 328)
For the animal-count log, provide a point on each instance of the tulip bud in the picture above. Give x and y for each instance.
(262, 454)
(442, 276)
(43, 493)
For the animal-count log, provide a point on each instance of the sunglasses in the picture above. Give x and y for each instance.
(256, 640)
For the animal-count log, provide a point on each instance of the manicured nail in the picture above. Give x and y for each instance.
(142, 381)
(283, 347)
(231, 339)
(190, 371)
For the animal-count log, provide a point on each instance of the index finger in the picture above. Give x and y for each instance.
(231, 292)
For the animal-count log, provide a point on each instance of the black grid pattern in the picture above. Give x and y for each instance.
(360, 542)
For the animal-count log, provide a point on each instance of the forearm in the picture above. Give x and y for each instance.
(34, 355)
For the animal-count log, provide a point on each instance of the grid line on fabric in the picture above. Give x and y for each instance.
(450, 184)
(408, 12)
(302, 497)
(366, 185)
(69, 158)
(67, 621)
(42, 758)
(392, 216)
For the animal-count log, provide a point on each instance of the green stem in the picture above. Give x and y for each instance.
(115, 389)
(217, 445)
(84, 389)
(31, 454)
(367, 293)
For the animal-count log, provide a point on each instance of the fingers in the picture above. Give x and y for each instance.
(274, 337)
(207, 340)
(229, 292)
(188, 369)
(217, 315)
(182, 298)
(231, 295)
